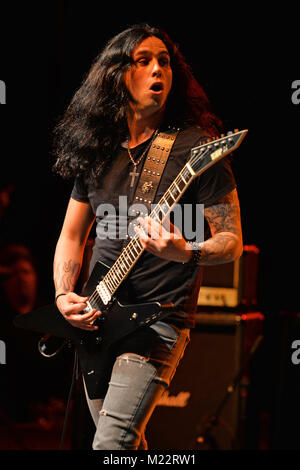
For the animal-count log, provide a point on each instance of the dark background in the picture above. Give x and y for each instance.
(244, 58)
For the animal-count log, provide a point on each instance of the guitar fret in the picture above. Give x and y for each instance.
(181, 176)
(181, 183)
(106, 283)
(156, 217)
(161, 210)
(134, 247)
(188, 171)
(118, 270)
(129, 253)
(117, 273)
(118, 267)
(114, 276)
(124, 260)
(166, 203)
(187, 176)
(177, 187)
(172, 197)
(139, 245)
(174, 192)
(123, 265)
(131, 248)
(114, 282)
(113, 286)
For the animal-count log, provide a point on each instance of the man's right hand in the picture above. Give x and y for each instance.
(70, 305)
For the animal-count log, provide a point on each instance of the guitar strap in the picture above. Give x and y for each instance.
(153, 169)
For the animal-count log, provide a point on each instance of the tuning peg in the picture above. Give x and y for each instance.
(236, 130)
(222, 135)
(229, 133)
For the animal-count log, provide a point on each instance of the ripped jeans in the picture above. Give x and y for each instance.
(144, 367)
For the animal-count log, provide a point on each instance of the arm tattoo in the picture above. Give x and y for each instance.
(225, 225)
(66, 274)
(221, 248)
(225, 215)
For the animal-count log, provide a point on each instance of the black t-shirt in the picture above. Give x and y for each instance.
(153, 278)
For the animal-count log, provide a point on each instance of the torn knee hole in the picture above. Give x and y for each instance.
(133, 358)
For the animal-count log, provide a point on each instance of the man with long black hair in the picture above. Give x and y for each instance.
(139, 86)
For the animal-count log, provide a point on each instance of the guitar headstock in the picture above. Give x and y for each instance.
(208, 154)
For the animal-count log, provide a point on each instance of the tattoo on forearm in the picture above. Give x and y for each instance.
(65, 275)
(219, 249)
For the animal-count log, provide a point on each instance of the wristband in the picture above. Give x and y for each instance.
(65, 293)
(196, 254)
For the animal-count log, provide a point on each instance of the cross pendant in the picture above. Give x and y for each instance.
(133, 174)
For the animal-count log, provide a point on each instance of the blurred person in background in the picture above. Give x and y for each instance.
(31, 385)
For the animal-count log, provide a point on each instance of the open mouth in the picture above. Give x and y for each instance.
(157, 87)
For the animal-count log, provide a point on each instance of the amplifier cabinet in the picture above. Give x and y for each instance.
(219, 345)
(231, 284)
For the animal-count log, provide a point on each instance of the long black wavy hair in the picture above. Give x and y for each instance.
(95, 122)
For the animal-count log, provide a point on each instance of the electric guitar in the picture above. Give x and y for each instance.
(105, 284)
